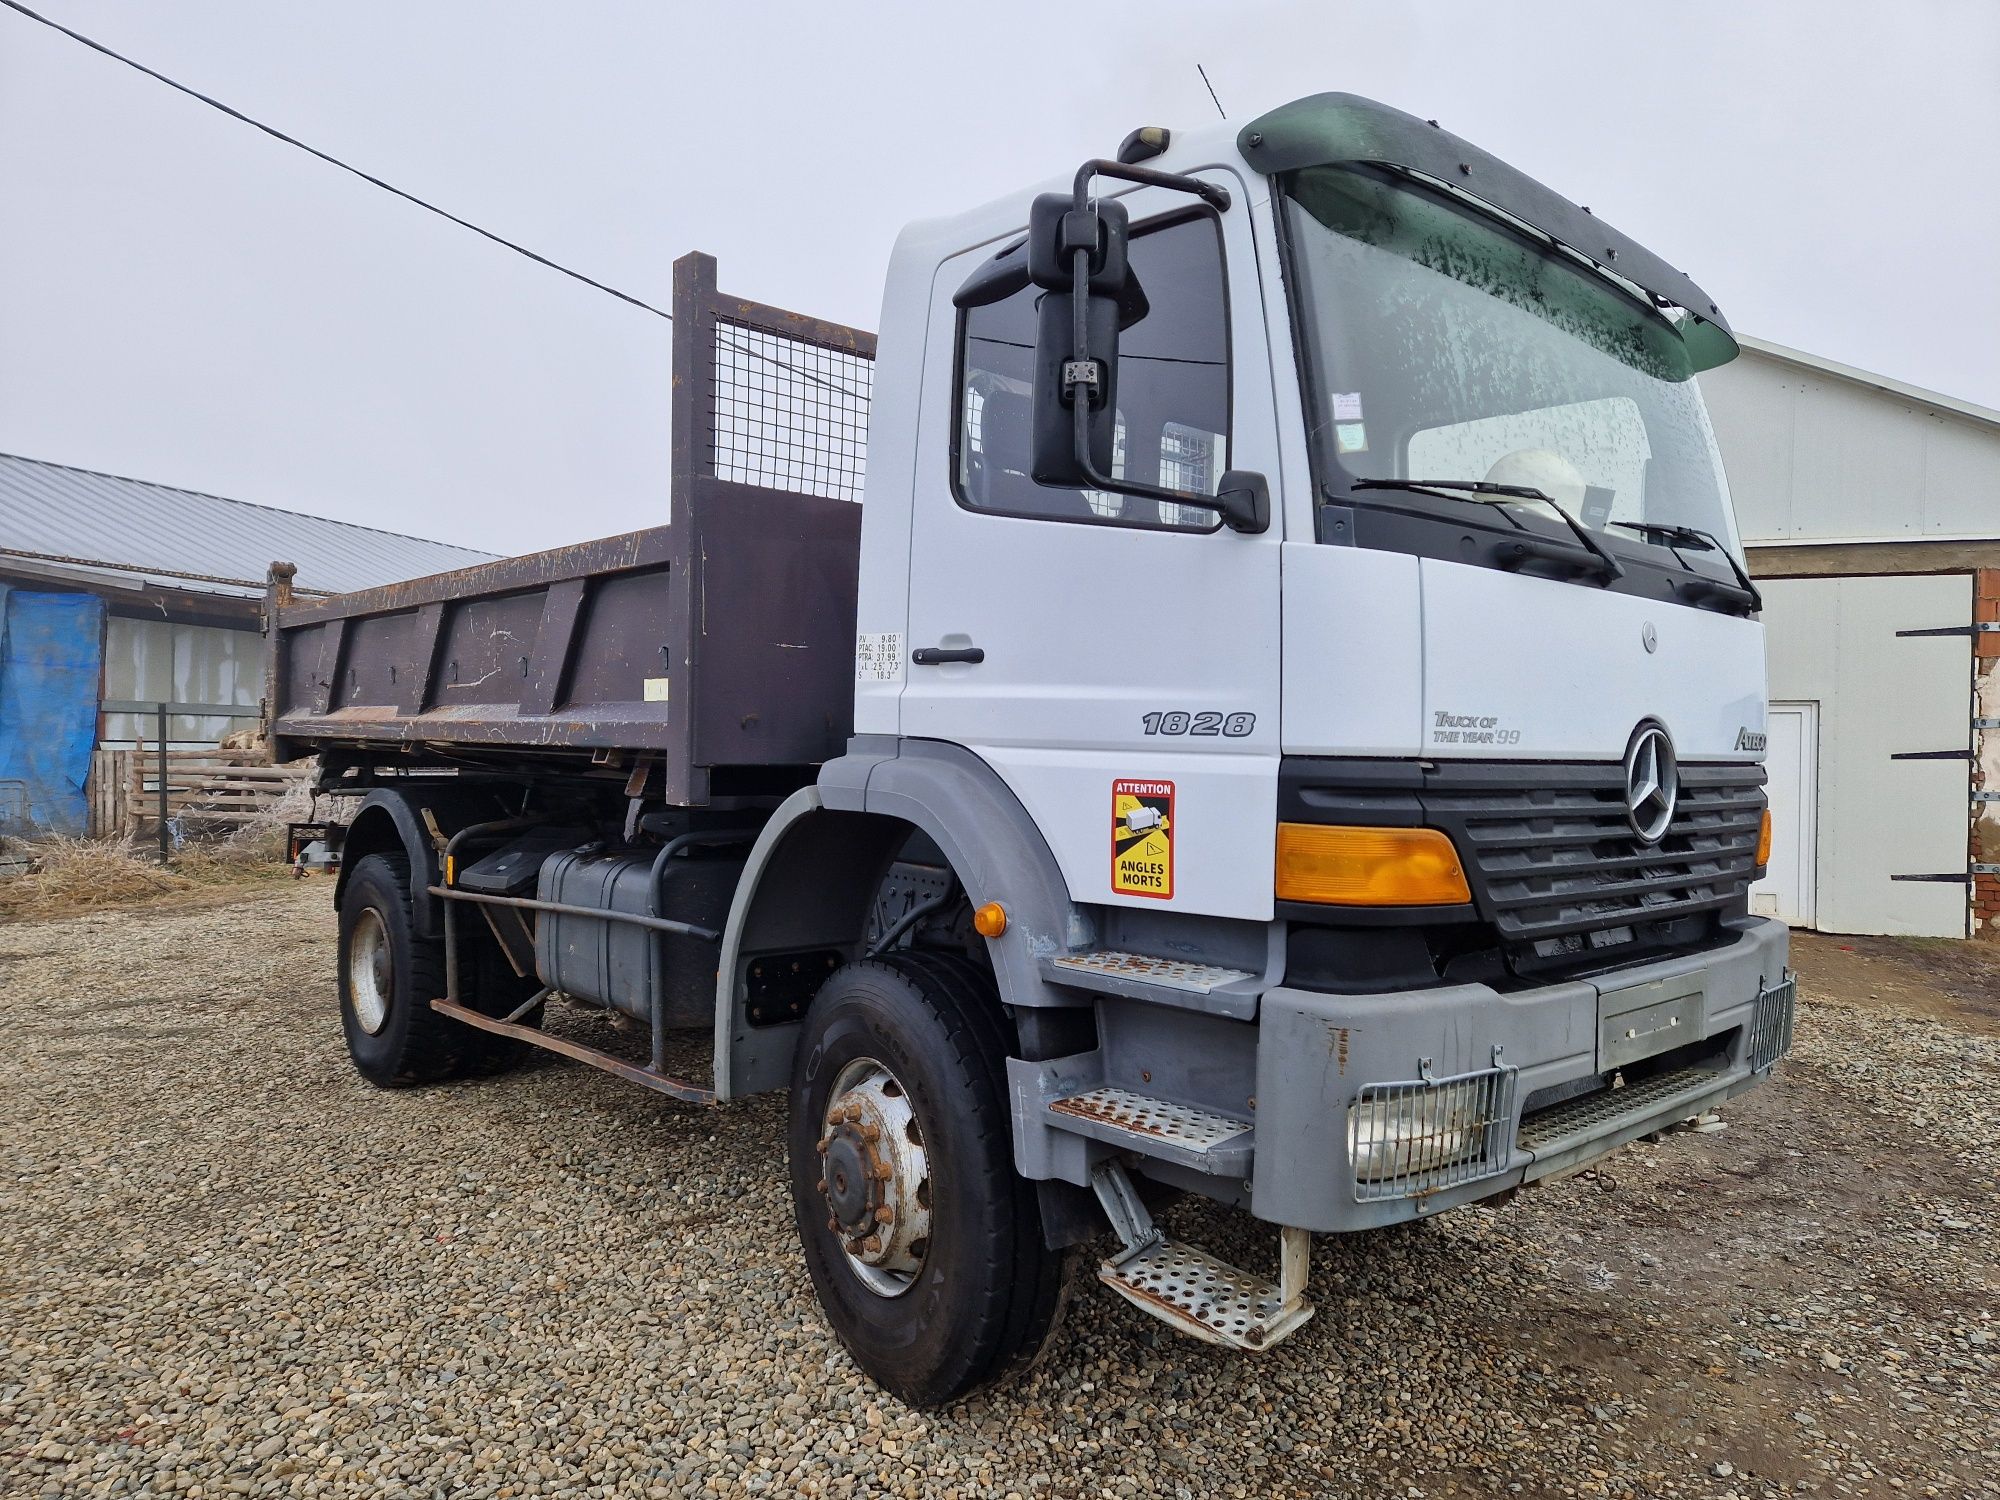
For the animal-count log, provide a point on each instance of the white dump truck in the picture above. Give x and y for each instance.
(1250, 690)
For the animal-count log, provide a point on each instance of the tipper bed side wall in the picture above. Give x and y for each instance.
(723, 639)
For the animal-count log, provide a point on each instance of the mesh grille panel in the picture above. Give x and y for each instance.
(788, 414)
(1407, 1139)
(1771, 1024)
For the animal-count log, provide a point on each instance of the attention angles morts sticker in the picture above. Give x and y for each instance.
(1142, 839)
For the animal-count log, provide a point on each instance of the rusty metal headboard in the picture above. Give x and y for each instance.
(770, 449)
(765, 397)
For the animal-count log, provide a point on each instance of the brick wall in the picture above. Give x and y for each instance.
(1986, 753)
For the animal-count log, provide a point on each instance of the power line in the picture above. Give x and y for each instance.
(368, 177)
(408, 197)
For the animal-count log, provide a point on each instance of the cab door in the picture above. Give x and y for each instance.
(1114, 660)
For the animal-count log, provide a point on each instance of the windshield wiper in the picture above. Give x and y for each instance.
(1672, 532)
(1446, 488)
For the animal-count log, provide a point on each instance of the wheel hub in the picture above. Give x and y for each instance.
(370, 972)
(876, 1183)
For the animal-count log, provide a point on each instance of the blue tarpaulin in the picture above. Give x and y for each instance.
(51, 658)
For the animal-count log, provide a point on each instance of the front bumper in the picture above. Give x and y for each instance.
(1324, 1061)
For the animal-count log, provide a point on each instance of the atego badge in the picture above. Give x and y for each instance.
(1142, 838)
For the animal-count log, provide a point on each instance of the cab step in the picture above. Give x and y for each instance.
(1164, 981)
(1189, 1289)
(1203, 1139)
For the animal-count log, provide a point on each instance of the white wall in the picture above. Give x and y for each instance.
(162, 662)
(1818, 457)
(1834, 642)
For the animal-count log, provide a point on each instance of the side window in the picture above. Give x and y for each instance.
(1173, 391)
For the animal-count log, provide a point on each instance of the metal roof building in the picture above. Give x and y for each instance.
(1870, 514)
(130, 532)
(117, 595)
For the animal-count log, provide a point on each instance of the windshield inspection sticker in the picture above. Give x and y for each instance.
(878, 656)
(1351, 437)
(1142, 839)
(1347, 406)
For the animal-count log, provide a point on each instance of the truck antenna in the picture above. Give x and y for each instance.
(1211, 90)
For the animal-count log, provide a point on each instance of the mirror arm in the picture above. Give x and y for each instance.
(1215, 197)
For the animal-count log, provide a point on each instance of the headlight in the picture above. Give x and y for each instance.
(1410, 1138)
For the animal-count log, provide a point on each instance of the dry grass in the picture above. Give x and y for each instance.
(79, 875)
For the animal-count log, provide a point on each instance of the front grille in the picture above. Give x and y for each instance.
(1406, 1140)
(1557, 866)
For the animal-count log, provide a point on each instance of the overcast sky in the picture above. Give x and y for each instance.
(185, 300)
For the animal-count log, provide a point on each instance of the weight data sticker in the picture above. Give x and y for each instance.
(1142, 839)
(878, 656)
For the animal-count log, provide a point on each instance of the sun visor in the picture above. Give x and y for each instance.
(1331, 129)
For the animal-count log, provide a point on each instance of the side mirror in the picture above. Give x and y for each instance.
(1076, 347)
(1078, 254)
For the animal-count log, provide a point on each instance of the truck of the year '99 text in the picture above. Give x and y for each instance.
(1285, 726)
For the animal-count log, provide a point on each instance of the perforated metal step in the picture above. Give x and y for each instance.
(1603, 1111)
(1171, 973)
(1157, 1127)
(1204, 1297)
(1213, 988)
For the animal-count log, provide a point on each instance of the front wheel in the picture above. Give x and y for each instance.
(924, 1245)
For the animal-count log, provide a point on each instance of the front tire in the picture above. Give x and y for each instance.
(924, 1245)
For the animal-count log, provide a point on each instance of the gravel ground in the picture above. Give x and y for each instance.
(230, 1267)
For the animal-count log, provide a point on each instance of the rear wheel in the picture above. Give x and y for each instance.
(924, 1245)
(388, 978)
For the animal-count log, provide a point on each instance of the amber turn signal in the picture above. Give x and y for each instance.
(1764, 840)
(990, 920)
(1340, 866)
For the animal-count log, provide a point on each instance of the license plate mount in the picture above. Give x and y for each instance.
(1644, 1020)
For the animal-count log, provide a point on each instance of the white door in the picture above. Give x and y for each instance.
(1791, 761)
(1128, 686)
(1887, 661)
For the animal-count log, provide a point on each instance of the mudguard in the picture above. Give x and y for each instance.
(812, 874)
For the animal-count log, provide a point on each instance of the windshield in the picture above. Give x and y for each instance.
(1448, 344)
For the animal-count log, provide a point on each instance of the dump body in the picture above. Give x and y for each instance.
(720, 645)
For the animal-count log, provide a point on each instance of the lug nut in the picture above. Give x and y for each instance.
(822, 1145)
(885, 1215)
(820, 1186)
(873, 1244)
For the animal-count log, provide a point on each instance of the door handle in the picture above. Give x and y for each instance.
(937, 656)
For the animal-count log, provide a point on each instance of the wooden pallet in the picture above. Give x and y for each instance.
(207, 786)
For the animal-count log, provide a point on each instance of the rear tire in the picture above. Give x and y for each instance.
(954, 1288)
(388, 978)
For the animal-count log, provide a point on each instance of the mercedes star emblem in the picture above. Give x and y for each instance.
(1652, 783)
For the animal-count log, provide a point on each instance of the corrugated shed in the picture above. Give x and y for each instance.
(134, 530)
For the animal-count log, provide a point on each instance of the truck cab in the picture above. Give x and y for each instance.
(1304, 745)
